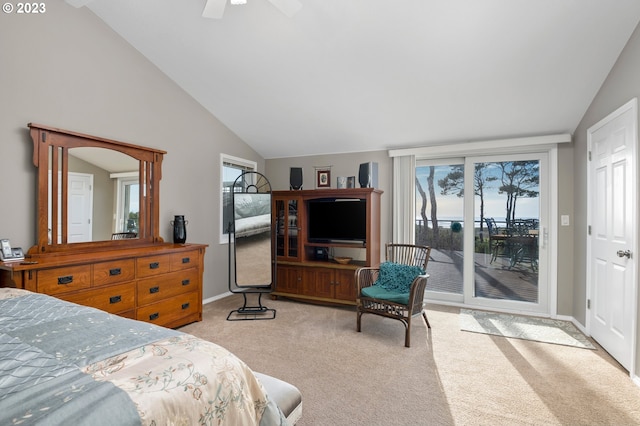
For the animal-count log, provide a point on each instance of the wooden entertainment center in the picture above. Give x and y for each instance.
(302, 271)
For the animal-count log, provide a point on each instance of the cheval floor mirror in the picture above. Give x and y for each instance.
(252, 260)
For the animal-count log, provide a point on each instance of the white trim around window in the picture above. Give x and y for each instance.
(230, 161)
(503, 146)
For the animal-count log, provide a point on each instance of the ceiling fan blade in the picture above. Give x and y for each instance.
(78, 3)
(214, 9)
(288, 7)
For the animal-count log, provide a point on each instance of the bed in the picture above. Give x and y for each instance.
(62, 363)
(252, 214)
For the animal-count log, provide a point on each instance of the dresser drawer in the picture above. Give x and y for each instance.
(113, 299)
(184, 260)
(62, 280)
(153, 265)
(128, 314)
(155, 289)
(171, 310)
(118, 271)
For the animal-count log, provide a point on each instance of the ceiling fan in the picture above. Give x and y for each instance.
(215, 8)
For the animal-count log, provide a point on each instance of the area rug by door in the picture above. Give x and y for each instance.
(522, 327)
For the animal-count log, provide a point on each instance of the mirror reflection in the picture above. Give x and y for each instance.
(103, 196)
(252, 214)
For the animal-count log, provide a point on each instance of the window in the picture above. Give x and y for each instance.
(230, 169)
(128, 202)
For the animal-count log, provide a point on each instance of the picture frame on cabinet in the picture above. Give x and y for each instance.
(323, 178)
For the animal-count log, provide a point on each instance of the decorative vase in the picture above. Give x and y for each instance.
(179, 229)
(131, 225)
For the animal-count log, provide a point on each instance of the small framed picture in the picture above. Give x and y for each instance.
(323, 178)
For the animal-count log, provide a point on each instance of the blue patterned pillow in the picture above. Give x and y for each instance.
(397, 277)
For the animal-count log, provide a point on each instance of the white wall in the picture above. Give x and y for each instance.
(67, 69)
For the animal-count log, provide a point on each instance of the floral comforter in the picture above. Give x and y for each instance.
(62, 363)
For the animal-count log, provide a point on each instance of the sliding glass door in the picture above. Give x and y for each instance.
(485, 219)
(509, 204)
(439, 218)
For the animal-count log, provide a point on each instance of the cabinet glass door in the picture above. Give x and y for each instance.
(287, 243)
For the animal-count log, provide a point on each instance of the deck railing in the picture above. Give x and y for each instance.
(450, 236)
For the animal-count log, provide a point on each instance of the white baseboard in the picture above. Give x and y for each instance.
(574, 322)
(218, 297)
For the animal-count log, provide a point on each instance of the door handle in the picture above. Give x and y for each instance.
(625, 253)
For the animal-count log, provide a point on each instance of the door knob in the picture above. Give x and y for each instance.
(625, 253)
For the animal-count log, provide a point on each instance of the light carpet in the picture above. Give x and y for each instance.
(522, 327)
(447, 377)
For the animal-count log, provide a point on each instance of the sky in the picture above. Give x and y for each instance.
(452, 206)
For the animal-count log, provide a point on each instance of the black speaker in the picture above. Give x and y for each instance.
(368, 175)
(295, 178)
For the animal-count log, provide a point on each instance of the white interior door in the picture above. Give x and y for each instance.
(612, 233)
(80, 210)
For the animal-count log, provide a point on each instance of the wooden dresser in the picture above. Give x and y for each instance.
(159, 283)
(77, 255)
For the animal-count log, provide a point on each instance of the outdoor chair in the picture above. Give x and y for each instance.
(524, 244)
(496, 240)
(396, 288)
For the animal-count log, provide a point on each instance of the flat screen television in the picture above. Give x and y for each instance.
(337, 219)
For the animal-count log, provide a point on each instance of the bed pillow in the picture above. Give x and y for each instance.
(397, 277)
(250, 205)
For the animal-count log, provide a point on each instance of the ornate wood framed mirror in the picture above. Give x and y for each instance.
(94, 192)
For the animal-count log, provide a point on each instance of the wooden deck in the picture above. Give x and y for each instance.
(495, 280)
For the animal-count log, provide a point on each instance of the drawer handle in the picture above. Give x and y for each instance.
(186, 259)
(115, 271)
(154, 265)
(154, 289)
(185, 305)
(154, 316)
(186, 282)
(115, 299)
(65, 280)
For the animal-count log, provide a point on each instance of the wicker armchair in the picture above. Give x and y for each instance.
(399, 253)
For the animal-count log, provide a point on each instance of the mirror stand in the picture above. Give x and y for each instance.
(252, 264)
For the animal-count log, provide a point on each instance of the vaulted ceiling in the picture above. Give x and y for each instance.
(361, 75)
